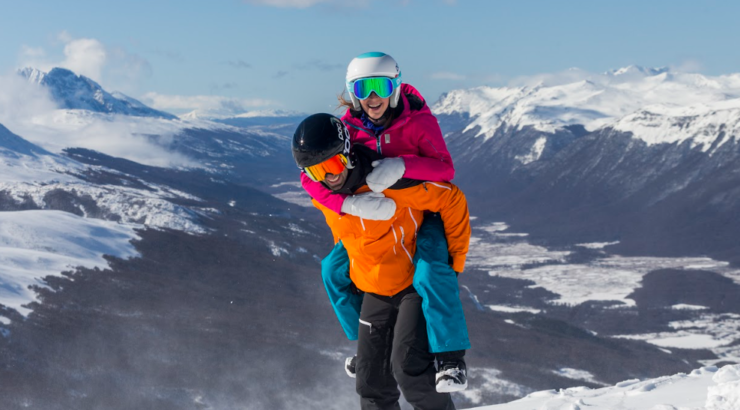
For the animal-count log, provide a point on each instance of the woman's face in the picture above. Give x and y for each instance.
(375, 106)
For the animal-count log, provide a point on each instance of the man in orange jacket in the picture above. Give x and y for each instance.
(393, 330)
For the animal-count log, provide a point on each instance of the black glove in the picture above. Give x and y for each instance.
(449, 262)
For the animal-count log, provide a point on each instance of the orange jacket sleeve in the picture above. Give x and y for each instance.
(332, 218)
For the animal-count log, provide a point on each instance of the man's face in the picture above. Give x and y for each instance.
(334, 182)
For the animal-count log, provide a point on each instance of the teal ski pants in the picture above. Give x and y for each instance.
(434, 280)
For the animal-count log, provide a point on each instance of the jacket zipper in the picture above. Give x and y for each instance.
(377, 137)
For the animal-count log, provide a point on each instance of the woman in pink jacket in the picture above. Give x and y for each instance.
(393, 119)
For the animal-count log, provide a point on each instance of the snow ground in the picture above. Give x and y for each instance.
(706, 388)
(35, 244)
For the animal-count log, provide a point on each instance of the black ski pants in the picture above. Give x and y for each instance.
(393, 351)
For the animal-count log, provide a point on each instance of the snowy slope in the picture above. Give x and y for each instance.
(706, 388)
(22, 161)
(35, 244)
(654, 103)
(29, 173)
(37, 239)
(707, 125)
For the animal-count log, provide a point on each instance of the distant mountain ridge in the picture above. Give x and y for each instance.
(648, 157)
(73, 91)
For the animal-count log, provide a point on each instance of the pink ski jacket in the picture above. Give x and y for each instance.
(414, 135)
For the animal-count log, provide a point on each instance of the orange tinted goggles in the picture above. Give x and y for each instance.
(334, 165)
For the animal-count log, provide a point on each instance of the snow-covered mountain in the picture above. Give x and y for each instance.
(73, 91)
(253, 150)
(652, 144)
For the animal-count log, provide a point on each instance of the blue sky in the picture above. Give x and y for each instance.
(292, 54)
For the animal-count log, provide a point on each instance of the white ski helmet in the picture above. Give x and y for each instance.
(373, 64)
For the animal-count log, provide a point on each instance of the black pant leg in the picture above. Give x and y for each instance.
(451, 356)
(413, 365)
(376, 386)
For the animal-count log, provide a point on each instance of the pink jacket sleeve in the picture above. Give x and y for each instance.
(322, 194)
(434, 162)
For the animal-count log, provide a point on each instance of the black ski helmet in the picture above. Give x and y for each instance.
(318, 138)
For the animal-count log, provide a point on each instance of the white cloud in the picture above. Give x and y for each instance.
(20, 99)
(113, 67)
(446, 75)
(85, 56)
(568, 76)
(213, 105)
(689, 66)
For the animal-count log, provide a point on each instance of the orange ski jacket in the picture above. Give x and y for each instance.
(381, 253)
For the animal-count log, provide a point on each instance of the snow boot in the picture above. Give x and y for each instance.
(350, 366)
(452, 376)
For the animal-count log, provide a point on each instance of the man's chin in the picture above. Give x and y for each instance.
(333, 187)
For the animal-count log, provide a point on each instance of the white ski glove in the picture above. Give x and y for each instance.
(385, 173)
(370, 205)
